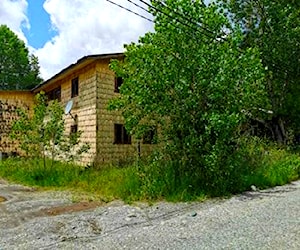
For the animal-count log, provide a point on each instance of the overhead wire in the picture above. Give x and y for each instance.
(148, 19)
(174, 18)
(286, 71)
(139, 6)
(171, 17)
(187, 18)
(129, 10)
(185, 22)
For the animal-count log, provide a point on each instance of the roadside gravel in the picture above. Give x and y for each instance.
(268, 219)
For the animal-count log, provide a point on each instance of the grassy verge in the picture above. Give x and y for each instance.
(278, 167)
(106, 183)
(153, 181)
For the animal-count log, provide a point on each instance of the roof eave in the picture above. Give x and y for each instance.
(84, 60)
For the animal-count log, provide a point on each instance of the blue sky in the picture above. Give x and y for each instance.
(40, 30)
(59, 32)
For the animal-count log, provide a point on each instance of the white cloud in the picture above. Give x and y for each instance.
(13, 14)
(88, 27)
(83, 28)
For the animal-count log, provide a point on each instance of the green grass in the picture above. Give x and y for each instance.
(267, 166)
(105, 183)
(278, 167)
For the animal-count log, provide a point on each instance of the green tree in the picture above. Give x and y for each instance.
(274, 28)
(195, 86)
(18, 69)
(42, 135)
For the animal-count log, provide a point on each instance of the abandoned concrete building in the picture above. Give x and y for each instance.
(89, 84)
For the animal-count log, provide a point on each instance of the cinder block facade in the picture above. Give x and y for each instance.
(10, 102)
(90, 84)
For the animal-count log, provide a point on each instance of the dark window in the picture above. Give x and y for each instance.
(118, 83)
(121, 135)
(74, 129)
(54, 94)
(74, 91)
(150, 136)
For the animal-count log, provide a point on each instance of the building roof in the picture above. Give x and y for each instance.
(79, 64)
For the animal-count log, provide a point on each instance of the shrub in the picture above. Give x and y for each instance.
(255, 162)
(43, 135)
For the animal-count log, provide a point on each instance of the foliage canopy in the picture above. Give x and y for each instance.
(274, 28)
(18, 69)
(198, 87)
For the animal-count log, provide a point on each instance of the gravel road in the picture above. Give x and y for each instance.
(268, 219)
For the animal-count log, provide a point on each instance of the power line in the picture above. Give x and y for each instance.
(166, 14)
(144, 16)
(179, 21)
(139, 6)
(187, 18)
(133, 12)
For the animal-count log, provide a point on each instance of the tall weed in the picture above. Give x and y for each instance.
(254, 162)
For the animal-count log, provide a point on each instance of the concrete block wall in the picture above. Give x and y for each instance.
(10, 102)
(107, 151)
(96, 89)
(84, 108)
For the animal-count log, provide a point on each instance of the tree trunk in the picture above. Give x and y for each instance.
(278, 130)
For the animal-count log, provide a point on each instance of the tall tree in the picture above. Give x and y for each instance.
(196, 86)
(273, 27)
(18, 69)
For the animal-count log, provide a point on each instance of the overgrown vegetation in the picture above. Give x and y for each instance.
(217, 83)
(198, 89)
(266, 166)
(104, 184)
(273, 28)
(42, 135)
(212, 78)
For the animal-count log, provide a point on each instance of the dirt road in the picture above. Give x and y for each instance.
(31, 219)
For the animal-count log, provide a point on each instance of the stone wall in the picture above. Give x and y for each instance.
(84, 107)
(89, 112)
(10, 102)
(107, 151)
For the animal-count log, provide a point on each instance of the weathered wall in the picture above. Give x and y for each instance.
(84, 107)
(10, 101)
(96, 88)
(107, 151)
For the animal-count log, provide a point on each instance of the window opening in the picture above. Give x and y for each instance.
(74, 88)
(118, 83)
(54, 94)
(74, 129)
(121, 135)
(150, 136)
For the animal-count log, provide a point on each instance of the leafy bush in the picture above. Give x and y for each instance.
(43, 134)
(255, 162)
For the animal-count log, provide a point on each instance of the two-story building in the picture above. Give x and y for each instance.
(90, 84)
